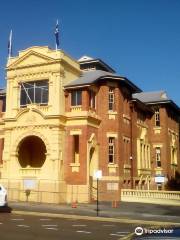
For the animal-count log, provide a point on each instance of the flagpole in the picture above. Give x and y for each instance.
(10, 45)
(56, 33)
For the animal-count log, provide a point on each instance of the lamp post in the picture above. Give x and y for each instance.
(131, 159)
(97, 176)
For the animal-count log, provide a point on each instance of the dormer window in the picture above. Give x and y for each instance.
(76, 98)
(34, 92)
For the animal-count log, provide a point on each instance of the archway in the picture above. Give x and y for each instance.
(31, 152)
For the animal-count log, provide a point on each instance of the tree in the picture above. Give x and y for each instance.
(173, 184)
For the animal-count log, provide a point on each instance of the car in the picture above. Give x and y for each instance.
(3, 196)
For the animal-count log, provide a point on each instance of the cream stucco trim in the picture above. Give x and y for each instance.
(76, 132)
(111, 134)
(158, 145)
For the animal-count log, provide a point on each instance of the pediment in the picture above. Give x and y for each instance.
(31, 58)
(29, 117)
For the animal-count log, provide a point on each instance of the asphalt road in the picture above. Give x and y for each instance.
(17, 227)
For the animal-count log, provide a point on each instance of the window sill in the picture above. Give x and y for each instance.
(112, 167)
(112, 114)
(75, 167)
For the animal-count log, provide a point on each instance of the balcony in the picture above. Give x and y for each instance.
(30, 172)
(76, 108)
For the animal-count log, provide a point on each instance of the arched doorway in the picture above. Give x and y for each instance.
(32, 152)
(93, 166)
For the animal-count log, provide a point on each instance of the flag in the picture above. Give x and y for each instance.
(56, 33)
(10, 45)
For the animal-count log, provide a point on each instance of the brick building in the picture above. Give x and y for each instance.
(88, 118)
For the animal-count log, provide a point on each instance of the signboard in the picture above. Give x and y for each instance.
(159, 179)
(97, 174)
(29, 183)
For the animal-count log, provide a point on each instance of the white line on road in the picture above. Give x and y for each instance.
(25, 226)
(123, 232)
(49, 225)
(45, 219)
(115, 234)
(108, 225)
(79, 225)
(83, 232)
(17, 219)
(55, 229)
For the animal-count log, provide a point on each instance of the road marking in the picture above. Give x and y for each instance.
(17, 219)
(83, 232)
(123, 232)
(108, 225)
(115, 234)
(55, 229)
(25, 226)
(79, 225)
(49, 225)
(45, 219)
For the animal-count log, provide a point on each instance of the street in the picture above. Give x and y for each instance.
(23, 227)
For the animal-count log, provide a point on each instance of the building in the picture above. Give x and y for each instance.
(64, 119)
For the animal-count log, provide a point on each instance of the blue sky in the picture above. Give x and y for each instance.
(139, 39)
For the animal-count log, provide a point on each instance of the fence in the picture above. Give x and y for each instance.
(151, 196)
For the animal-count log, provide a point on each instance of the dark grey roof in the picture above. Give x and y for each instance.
(151, 97)
(2, 91)
(90, 77)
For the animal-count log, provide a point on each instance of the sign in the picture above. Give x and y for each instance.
(97, 174)
(29, 183)
(159, 179)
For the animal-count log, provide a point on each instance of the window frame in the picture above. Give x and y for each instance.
(74, 98)
(33, 88)
(111, 99)
(92, 99)
(157, 118)
(158, 156)
(111, 150)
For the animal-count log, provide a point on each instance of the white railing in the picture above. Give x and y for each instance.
(76, 108)
(131, 195)
(30, 171)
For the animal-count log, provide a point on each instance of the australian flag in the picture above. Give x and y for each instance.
(56, 33)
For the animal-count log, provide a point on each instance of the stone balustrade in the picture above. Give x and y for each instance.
(151, 196)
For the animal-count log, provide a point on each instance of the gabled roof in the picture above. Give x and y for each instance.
(90, 77)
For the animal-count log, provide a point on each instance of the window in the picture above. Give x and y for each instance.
(92, 99)
(34, 92)
(157, 118)
(158, 157)
(76, 98)
(111, 99)
(76, 148)
(111, 149)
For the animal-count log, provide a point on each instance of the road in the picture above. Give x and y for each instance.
(22, 227)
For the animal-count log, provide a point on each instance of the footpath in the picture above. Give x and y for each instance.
(124, 212)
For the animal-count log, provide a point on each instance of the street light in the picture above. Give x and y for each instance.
(131, 159)
(97, 176)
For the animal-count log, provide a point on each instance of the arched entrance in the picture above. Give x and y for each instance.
(31, 152)
(93, 166)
